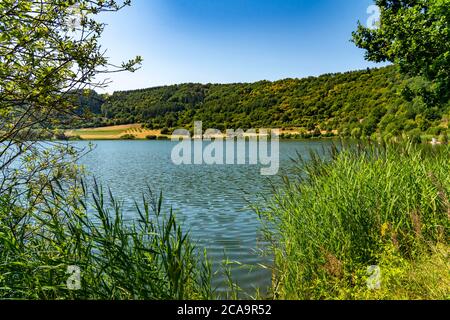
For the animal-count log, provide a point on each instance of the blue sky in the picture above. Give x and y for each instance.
(223, 41)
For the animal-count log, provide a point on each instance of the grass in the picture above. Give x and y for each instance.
(385, 206)
(99, 132)
(151, 258)
(113, 132)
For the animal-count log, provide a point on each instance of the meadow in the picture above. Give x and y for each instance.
(127, 131)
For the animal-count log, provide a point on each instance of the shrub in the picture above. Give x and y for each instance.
(165, 130)
(75, 138)
(443, 138)
(435, 131)
(151, 137)
(316, 133)
(60, 135)
(128, 137)
(356, 133)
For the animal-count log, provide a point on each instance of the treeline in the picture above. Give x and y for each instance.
(359, 103)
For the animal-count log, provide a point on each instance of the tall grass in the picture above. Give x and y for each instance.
(385, 206)
(151, 258)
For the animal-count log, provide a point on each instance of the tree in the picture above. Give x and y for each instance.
(48, 50)
(415, 35)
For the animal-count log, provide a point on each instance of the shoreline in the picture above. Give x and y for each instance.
(138, 132)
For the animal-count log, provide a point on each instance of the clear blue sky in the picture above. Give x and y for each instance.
(223, 41)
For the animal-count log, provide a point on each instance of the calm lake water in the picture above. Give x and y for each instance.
(211, 201)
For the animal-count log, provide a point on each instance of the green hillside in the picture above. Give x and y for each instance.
(358, 103)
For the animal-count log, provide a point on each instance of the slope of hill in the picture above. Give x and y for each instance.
(354, 103)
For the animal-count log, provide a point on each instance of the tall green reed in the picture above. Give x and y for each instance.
(338, 216)
(150, 258)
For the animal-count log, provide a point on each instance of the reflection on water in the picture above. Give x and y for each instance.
(210, 201)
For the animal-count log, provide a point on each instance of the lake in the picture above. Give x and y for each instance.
(211, 201)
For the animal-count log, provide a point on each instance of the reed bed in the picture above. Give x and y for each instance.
(366, 208)
(42, 249)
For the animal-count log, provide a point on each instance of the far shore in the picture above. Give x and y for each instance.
(138, 132)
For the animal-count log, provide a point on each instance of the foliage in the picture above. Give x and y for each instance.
(151, 258)
(49, 51)
(165, 130)
(415, 35)
(127, 137)
(387, 206)
(360, 103)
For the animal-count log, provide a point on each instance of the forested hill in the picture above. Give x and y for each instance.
(354, 103)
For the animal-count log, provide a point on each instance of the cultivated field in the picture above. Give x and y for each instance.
(113, 132)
